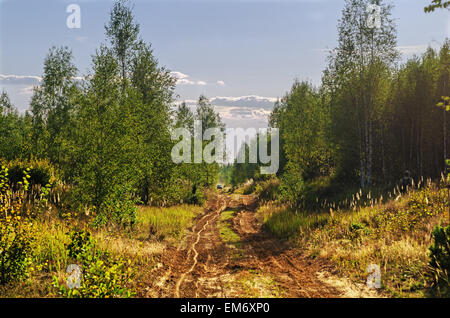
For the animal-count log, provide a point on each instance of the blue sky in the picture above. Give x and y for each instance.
(227, 50)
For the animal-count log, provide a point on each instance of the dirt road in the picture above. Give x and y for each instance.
(258, 265)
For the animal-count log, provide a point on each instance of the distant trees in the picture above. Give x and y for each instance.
(356, 76)
(52, 107)
(243, 171)
(369, 120)
(200, 174)
(109, 133)
(15, 131)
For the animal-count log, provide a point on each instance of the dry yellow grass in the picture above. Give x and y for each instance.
(394, 236)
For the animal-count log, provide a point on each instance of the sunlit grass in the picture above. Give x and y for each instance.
(226, 232)
(50, 246)
(394, 235)
(169, 221)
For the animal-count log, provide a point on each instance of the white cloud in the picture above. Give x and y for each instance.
(184, 79)
(240, 111)
(19, 79)
(12, 79)
(221, 83)
(417, 49)
(28, 90)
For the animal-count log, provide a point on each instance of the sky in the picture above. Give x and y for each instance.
(242, 54)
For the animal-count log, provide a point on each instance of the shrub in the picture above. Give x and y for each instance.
(102, 275)
(81, 246)
(40, 172)
(291, 188)
(440, 255)
(268, 190)
(249, 187)
(197, 196)
(100, 279)
(118, 208)
(16, 231)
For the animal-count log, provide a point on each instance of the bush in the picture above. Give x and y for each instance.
(102, 276)
(41, 172)
(197, 196)
(118, 208)
(81, 246)
(268, 190)
(249, 187)
(291, 188)
(440, 255)
(16, 231)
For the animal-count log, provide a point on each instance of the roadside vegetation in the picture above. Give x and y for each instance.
(399, 236)
(42, 248)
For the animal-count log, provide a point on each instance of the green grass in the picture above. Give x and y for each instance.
(225, 229)
(49, 248)
(287, 223)
(167, 222)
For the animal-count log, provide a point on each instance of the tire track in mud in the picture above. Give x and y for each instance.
(211, 217)
(208, 267)
(292, 272)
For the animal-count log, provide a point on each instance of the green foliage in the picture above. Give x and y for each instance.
(118, 208)
(268, 190)
(52, 108)
(197, 196)
(437, 4)
(41, 171)
(16, 231)
(440, 255)
(100, 280)
(102, 275)
(301, 117)
(122, 33)
(291, 188)
(81, 246)
(106, 152)
(15, 131)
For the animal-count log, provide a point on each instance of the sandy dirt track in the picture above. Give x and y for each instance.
(261, 265)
